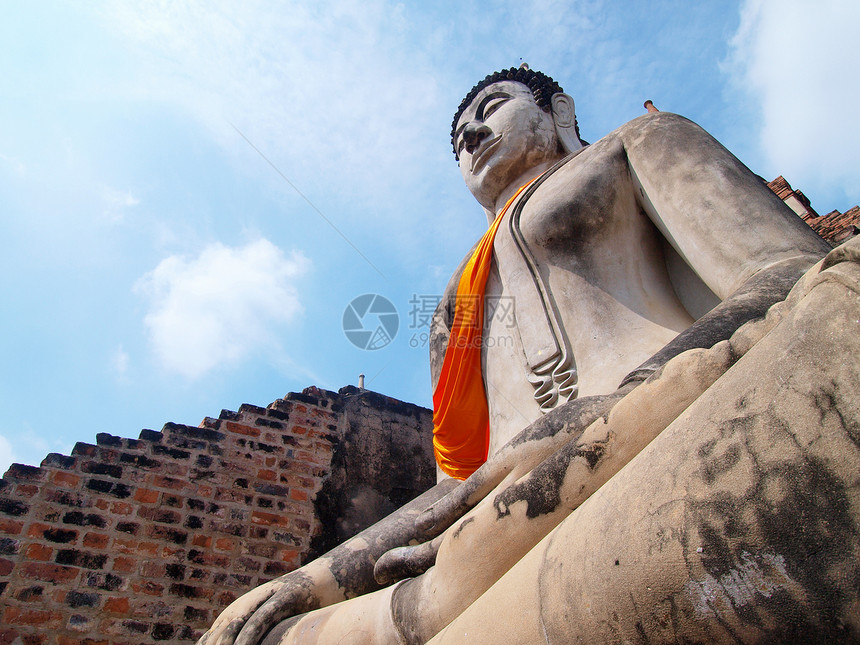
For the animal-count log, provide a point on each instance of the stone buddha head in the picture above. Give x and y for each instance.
(509, 123)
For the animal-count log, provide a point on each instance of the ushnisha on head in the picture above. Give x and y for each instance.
(542, 87)
(508, 130)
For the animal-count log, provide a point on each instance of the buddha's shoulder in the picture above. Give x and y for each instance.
(655, 125)
(661, 128)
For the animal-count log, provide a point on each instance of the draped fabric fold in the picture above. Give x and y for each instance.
(461, 419)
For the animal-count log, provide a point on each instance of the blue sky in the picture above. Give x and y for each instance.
(157, 267)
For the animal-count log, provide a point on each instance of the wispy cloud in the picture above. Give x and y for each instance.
(119, 363)
(303, 81)
(12, 163)
(117, 201)
(798, 60)
(220, 307)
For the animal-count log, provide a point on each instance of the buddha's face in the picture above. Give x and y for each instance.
(500, 136)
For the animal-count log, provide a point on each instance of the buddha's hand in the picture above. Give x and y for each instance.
(227, 626)
(516, 458)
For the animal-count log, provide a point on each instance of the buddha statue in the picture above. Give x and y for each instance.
(643, 269)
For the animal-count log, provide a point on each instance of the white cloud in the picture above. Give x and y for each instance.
(799, 61)
(313, 85)
(14, 164)
(116, 201)
(119, 362)
(220, 307)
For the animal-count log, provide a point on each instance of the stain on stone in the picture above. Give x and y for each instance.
(721, 464)
(541, 488)
(463, 524)
(814, 555)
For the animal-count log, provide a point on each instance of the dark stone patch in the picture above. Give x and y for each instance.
(105, 439)
(140, 461)
(60, 536)
(106, 581)
(135, 626)
(56, 460)
(97, 468)
(67, 499)
(196, 615)
(8, 546)
(82, 599)
(80, 559)
(13, 507)
(272, 489)
(193, 522)
(721, 464)
(150, 435)
(82, 519)
(30, 593)
(128, 527)
(173, 453)
(162, 631)
(541, 489)
(114, 489)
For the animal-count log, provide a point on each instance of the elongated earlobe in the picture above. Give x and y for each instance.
(564, 117)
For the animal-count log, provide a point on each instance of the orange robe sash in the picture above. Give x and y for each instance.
(461, 419)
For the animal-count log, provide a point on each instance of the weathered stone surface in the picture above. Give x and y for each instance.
(739, 523)
(658, 511)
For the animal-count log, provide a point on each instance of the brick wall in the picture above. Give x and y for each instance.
(146, 540)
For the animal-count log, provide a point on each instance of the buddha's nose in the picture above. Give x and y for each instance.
(473, 134)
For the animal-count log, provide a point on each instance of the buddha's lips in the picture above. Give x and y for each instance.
(477, 159)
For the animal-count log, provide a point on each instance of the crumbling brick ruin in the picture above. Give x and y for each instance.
(146, 540)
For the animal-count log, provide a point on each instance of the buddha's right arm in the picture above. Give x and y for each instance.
(743, 242)
(344, 572)
(520, 455)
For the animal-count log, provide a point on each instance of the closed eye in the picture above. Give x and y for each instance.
(495, 105)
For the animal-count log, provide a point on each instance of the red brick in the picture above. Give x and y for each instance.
(37, 530)
(147, 587)
(152, 570)
(102, 504)
(168, 482)
(124, 565)
(147, 548)
(67, 480)
(298, 495)
(289, 555)
(146, 496)
(225, 544)
(268, 475)
(169, 551)
(117, 605)
(27, 490)
(43, 618)
(268, 519)
(38, 552)
(96, 540)
(6, 567)
(201, 540)
(125, 545)
(121, 508)
(249, 431)
(10, 527)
